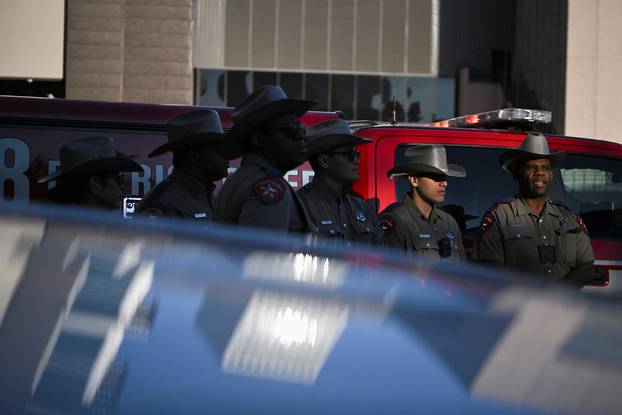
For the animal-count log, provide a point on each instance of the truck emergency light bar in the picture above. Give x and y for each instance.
(505, 118)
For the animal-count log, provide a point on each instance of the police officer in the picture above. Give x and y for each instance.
(267, 133)
(333, 207)
(417, 225)
(196, 139)
(89, 174)
(529, 232)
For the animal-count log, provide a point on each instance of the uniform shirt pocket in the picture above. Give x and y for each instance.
(329, 230)
(363, 227)
(425, 244)
(519, 246)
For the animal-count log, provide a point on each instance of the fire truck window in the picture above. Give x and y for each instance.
(593, 188)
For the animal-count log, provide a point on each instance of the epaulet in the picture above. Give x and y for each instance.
(504, 201)
(488, 220)
(572, 213)
(356, 194)
(269, 190)
(560, 204)
(389, 208)
(158, 189)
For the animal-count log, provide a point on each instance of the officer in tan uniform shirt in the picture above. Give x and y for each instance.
(196, 139)
(417, 225)
(338, 212)
(267, 133)
(529, 232)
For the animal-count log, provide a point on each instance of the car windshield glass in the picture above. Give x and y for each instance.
(589, 185)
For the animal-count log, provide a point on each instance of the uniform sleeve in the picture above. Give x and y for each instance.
(457, 239)
(377, 237)
(488, 246)
(267, 206)
(392, 233)
(584, 271)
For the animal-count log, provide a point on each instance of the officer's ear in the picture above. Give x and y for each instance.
(322, 161)
(257, 140)
(413, 181)
(93, 185)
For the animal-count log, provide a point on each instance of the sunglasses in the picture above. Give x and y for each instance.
(351, 156)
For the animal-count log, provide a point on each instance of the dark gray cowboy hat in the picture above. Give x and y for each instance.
(426, 159)
(192, 128)
(260, 107)
(534, 146)
(331, 134)
(90, 156)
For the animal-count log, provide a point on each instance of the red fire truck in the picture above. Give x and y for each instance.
(589, 180)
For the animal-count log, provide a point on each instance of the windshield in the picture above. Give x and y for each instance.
(589, 185)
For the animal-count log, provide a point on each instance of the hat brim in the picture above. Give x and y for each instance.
(325, 143)
(416, 169)
(95, 168)
(234, 139)
(192, 140)
(508, 158)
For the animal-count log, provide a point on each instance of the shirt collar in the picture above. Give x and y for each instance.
(522, 208)
(412, 208)
(191, 183)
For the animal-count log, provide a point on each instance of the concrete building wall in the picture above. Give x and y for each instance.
(330, 36)
(129, 50)
(594, 77)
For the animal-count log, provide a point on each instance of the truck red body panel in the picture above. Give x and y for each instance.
(32, 130)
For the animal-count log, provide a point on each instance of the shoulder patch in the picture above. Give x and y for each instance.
(487, 222)
(153, 212)
(387, 224)
(269, 190)
(582, 224)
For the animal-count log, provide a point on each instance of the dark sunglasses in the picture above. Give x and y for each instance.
(351, 156)
(290, 127)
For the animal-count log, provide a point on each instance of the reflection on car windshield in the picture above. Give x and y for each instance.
(589, 185)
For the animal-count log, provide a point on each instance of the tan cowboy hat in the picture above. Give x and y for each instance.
(422, 159)
(534, 146)
(331, 134)
(260, 107)
(90, 156)
(192, 128)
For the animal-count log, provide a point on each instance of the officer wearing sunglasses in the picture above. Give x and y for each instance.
(269, 137)
(337, 211)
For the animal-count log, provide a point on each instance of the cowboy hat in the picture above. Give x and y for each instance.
(534, 146)
(426, 159)
(331, 134)
(189, 129)
(90, 156)
(263, 105)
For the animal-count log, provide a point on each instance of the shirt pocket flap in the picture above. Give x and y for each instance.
(329, 229)
(363, 227)
(422, 244)
(518, 233)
